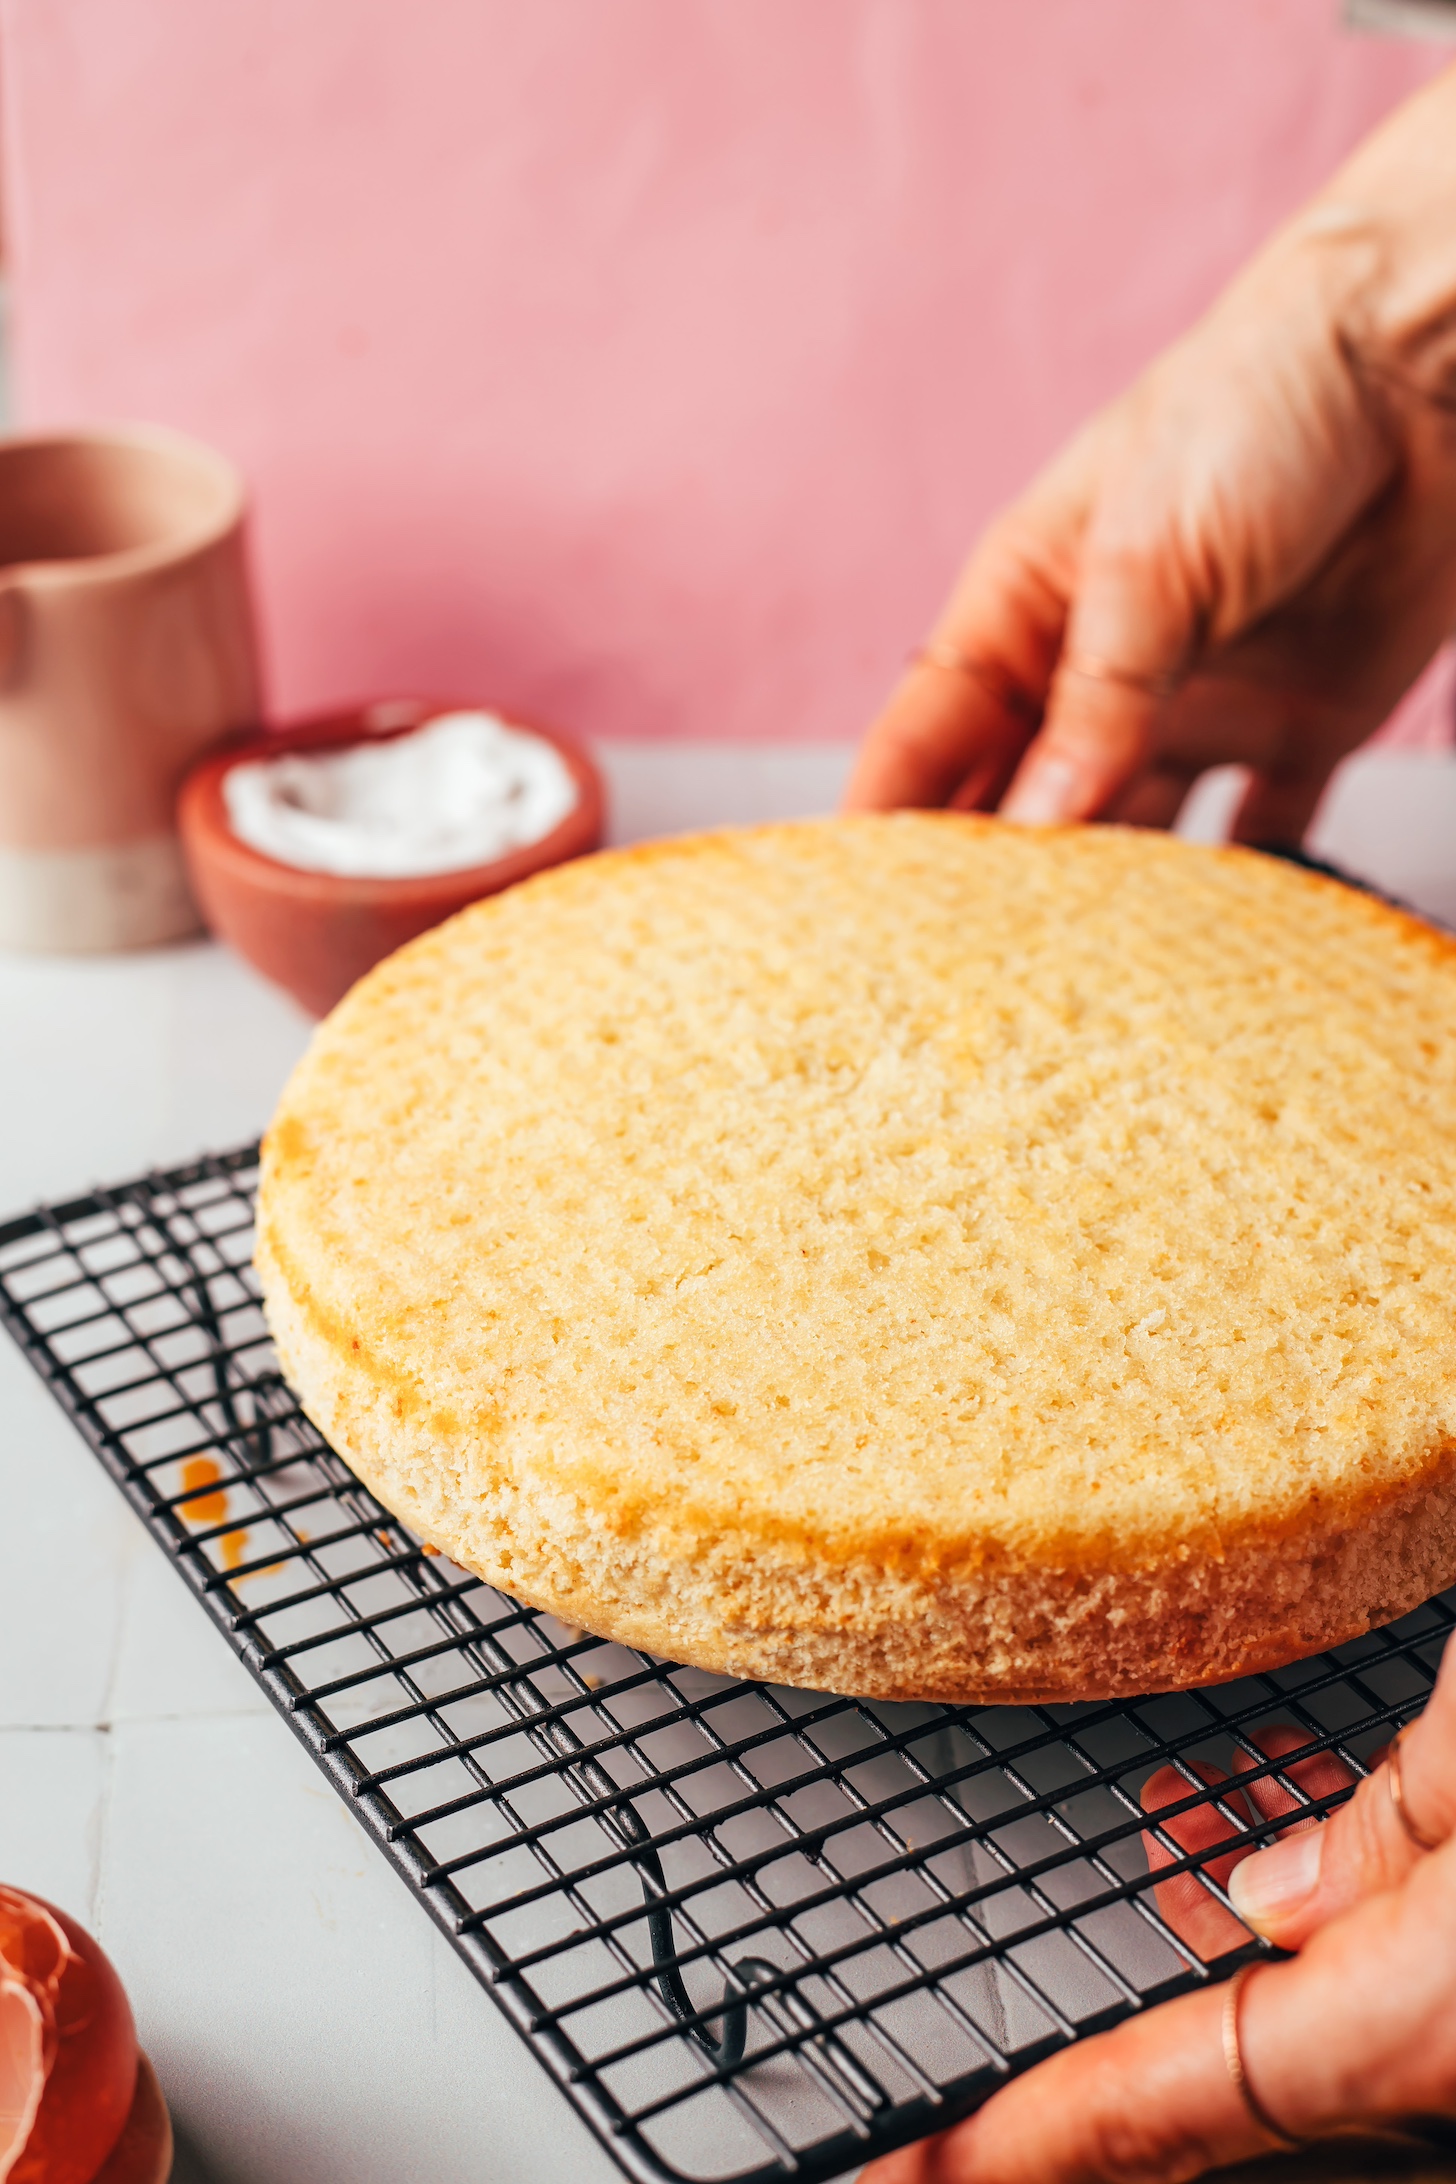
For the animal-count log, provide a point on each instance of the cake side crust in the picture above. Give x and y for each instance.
(990, 1634)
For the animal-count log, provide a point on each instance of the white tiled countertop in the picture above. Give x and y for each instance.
(308, 2023)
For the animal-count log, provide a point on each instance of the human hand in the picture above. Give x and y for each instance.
(1359, 2029)
(1247, 558)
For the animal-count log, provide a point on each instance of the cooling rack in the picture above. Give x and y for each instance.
(751, 1933)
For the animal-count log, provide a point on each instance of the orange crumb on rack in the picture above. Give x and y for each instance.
(199, 1471)
(208, 1508)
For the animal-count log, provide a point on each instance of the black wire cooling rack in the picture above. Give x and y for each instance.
(751, 1932)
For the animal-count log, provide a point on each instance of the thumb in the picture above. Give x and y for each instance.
(1309, 1877)
(1130, 633)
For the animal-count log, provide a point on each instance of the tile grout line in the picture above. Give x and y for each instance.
(97, 1832)
(105, 1727)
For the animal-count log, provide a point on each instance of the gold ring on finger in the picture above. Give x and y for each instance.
(1092, 667)
(1233, 2056)
(996, 683)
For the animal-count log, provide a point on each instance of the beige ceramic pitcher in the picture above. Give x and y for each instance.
(126, 646)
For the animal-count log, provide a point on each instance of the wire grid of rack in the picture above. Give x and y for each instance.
(751, 1932)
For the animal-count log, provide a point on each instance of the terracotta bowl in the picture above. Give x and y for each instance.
(314, 933)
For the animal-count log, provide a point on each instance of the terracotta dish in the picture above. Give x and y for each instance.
(315, 933)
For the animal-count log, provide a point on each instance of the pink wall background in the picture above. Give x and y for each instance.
(646, 365)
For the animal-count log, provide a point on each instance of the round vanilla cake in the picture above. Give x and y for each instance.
(907, 1256)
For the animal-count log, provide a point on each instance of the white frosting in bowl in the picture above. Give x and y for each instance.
(462, 789)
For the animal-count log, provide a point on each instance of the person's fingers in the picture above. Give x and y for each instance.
(1100, 733)
(949, 734)
(973, 695)
(1152, 799)
(1195, 1916)
(1323, 1774)
(1333, 2036)
(1277, 807)
(1361, 2027)
(1152, 2099)
(985, 784)
(1313, 1875)
(1132, 629)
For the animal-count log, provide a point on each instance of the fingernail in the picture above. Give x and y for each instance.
(1045, 792)
(1272, 1885)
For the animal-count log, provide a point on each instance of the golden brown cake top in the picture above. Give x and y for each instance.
(918, 1187)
